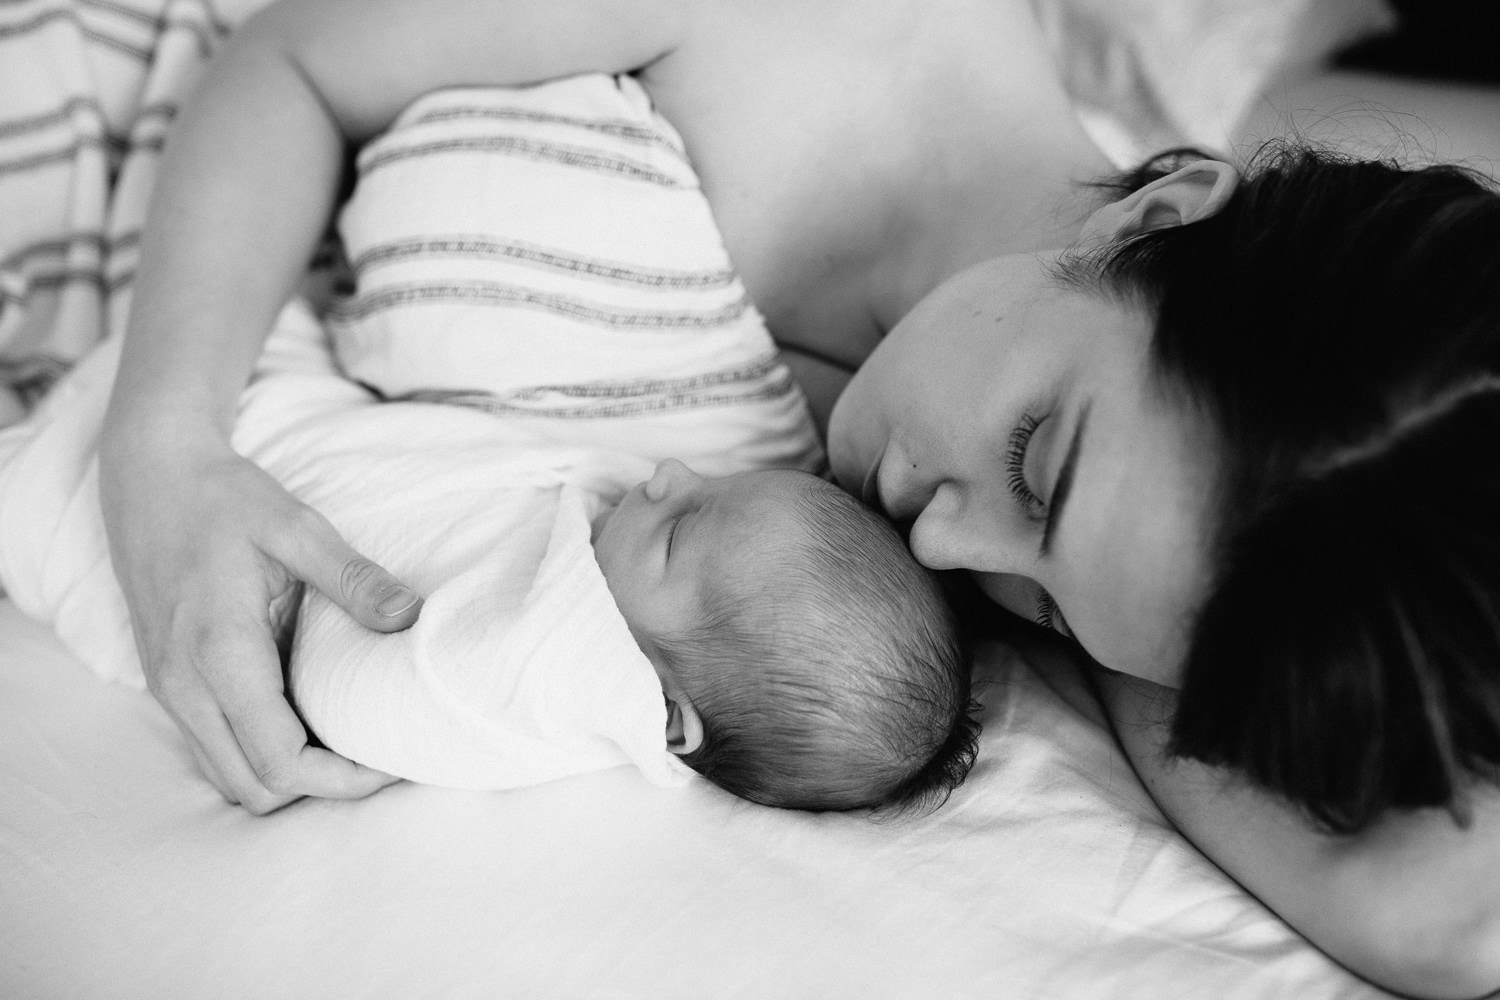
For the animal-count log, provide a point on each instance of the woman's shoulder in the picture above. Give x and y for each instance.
(837, 172)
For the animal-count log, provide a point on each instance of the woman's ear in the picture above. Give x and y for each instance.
(1187, 194)
(684, 725)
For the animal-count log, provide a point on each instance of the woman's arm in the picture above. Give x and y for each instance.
(201, 539)
(1412, 904)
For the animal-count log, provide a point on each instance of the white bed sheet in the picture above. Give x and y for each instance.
(1049, 875)
(123, 874)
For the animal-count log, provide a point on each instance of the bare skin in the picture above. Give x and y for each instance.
(857, 155)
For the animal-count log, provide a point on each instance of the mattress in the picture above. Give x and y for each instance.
(1050, 874)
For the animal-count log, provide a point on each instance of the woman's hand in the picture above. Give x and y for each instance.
(203, 541)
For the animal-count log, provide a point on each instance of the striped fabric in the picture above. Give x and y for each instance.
(546, 255)
(554, 238)
(88, 89)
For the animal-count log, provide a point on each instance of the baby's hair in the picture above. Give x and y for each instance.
(842, 683)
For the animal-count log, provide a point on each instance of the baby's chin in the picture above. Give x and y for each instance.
(600, 520)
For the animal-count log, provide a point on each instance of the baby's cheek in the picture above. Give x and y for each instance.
(596, 532)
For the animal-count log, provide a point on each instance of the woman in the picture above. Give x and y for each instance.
(857, 158)
(1250, 457)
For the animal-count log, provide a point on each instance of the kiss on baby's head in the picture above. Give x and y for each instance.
(807, 660)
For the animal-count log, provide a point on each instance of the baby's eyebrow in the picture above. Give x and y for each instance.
(1064, 485)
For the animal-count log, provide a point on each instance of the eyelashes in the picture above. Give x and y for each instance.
(671, 534)
(1046, 610)
(1050, 616)
(1047, 614)
(1015, 464)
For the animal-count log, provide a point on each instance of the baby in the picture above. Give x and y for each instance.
(583, 611)
(807, 660)
(544, 258)
(804, 658)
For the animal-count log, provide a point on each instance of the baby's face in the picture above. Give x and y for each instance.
(676, 534)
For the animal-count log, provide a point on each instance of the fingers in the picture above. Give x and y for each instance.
(246, 738)
(265, 772)
(240, 786)
(318, 554)
(282, 762)
(201, 547)
(207, 768)
(218, 752)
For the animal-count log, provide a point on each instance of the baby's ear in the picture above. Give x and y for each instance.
(684, 726)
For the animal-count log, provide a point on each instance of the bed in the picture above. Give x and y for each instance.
(1050, 873)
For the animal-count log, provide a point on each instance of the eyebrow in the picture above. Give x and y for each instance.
(1064, 483)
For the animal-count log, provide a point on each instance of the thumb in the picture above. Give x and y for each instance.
(373, 597)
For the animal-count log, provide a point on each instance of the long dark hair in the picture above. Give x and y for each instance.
(1338, 324)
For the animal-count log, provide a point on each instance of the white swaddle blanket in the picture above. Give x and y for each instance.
(521, 668)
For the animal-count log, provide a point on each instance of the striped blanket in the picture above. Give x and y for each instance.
(88, 89)
(546, 254)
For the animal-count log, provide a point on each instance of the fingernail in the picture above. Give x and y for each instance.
(397, 603)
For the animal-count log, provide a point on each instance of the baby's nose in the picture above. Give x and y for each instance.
(670, 475)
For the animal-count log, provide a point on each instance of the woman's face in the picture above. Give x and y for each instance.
(1014, 424)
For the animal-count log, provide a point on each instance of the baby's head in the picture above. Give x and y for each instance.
(807, 660)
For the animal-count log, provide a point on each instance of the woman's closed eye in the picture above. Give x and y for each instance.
(1015, 465)
(672, 534)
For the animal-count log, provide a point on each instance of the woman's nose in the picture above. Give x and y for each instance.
(670, 476)
(953, 531)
